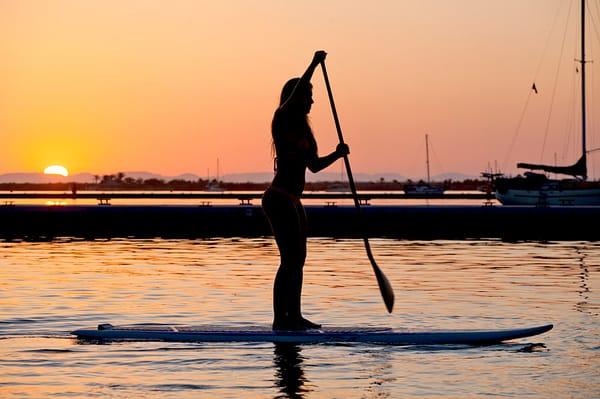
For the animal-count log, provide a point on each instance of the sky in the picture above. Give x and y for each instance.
(169, 87)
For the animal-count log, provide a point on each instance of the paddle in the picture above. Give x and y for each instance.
(384, 285)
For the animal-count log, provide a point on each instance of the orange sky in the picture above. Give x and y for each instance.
(129, 85)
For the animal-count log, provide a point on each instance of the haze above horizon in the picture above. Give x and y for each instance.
(171, 87)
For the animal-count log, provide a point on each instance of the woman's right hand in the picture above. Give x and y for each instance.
(342, 150)
(319, 57)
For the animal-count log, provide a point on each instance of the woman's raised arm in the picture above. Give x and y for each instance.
(305, 78)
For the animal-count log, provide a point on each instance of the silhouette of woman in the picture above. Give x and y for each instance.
(295, 150)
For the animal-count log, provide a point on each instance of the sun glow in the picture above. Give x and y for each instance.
(56, 170)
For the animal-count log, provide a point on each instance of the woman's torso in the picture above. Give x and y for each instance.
(294, 148)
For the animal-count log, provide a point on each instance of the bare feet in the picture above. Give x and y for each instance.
(309, 325)
(295, 325)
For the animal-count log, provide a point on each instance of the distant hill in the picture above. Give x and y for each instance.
(84, 177)
(258, 177)
(43, 178)
(311, 177)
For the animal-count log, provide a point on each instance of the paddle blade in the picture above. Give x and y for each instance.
(385, 288)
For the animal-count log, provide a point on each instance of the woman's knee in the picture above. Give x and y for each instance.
(293, 262)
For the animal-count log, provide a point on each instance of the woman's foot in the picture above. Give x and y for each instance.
(309, 325)
(295, 325)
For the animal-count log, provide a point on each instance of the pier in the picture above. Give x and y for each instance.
(422, 222)
(241, 196)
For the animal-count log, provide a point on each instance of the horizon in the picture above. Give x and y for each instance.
(175, 87)
(250, 177)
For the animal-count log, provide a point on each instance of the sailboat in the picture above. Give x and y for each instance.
(424, 188)
(214, 185)
(339, 186)
(536, 188)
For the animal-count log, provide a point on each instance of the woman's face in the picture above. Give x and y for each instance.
(307, 101)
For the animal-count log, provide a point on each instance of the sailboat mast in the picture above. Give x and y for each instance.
(583, 127)
(427, 156)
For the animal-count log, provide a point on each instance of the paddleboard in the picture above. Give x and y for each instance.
(180, 333)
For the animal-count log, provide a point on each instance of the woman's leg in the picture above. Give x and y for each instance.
(286, 223)
(296, 298)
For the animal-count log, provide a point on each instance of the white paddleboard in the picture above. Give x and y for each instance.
(180, 333)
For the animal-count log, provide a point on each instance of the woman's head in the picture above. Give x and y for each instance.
(302, 100)
(292, 119)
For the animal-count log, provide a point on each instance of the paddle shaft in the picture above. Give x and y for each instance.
(384, 286)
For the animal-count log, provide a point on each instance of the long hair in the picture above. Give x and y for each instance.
(294, 118)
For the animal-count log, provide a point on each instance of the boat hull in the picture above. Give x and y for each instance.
(573, 197)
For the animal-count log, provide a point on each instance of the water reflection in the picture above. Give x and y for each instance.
(289, 375)
(584, 290)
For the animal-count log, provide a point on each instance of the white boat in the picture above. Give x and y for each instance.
(341, 186)
(538, 189)
(422, 188)
(214, 184)
(338, 187)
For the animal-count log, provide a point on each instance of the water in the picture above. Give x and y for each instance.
(50, 288)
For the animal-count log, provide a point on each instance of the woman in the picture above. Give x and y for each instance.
(295, 150)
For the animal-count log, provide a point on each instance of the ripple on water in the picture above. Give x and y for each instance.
(51, 288)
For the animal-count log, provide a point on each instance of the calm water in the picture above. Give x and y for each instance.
(50, 288)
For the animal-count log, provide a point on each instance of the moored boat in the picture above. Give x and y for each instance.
(423, 188)
(536, 188)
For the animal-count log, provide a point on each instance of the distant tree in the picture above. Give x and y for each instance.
(120, 177)
(154, 182)
(107, 179)
(96, 178)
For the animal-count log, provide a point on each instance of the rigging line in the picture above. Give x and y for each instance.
(598, 9)
(593, 20)
(554, 21)
(598, 12)
(435, 157)
(592, 102)
(514, 139)
(537, 71)
(562, 48)
(573, 100)
(415, 162)
(570, 125)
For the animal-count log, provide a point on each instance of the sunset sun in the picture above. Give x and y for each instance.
(56, 170)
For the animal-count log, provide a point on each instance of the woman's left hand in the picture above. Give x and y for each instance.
(342, 149)
(319, 57)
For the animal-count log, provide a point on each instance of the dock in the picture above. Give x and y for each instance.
(418, 222)
(232, 195)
